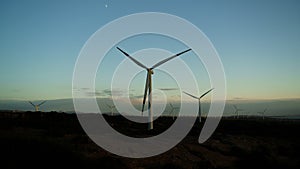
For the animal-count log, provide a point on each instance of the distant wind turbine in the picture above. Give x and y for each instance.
(172, 110)
(36, 107)
(199, 99)
(148, 84)
(111, 109)
(262, 113)
(237, 111)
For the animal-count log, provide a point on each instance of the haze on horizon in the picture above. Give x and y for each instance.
(258, 43)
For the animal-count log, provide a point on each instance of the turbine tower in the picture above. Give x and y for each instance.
(172, 110)
(262, 113)
(37, 107)
(199, 98)
(237, 111)
(111, 109)
(148, 85)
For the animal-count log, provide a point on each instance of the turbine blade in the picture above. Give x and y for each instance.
(206, 93)
(131, 58)
(146, 89)
(31, 103)
(167, 59)
(108, 105)
(171, 105)
(41, 103)
(234, 106)
(265, 110)
(172, 109)
(191, 95)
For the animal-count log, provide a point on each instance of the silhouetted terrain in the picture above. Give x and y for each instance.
(55, 140)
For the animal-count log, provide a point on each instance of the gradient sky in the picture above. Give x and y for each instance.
(257, 41)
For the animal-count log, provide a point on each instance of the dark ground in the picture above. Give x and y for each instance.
(56, 140)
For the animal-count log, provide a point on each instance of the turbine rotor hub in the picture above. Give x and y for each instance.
(151, 71)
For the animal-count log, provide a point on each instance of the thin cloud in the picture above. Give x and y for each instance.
(168, 89)
(137, 96)
(16, 90)
(238, 98)
(115, 92)
(94, 94)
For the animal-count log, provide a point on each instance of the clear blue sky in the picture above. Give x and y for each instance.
(258, 42)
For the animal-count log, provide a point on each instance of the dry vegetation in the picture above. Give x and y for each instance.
(51, 140)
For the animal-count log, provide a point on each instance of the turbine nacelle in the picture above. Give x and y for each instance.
(150, 71)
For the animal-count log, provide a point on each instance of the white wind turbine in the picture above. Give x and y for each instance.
(172, 110)
(262, 113)
(111, 107)
(36, 107)
(237, 110)
(148, 85)
(199, 98)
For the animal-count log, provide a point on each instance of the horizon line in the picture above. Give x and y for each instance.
(204, 100)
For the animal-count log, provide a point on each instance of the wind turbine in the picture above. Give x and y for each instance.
(262, 113)
(148, 84)
(111, 109)
(37, 107)
(199, 98)
(237, 111)
(172, 110)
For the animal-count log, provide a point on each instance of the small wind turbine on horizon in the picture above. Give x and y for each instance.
(199, 99)
(37, 107)
(172, 110)
(237, 110)
(111, 107)
(263, 113)
(148, 84)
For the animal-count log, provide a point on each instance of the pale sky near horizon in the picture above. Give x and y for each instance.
(257, 41)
